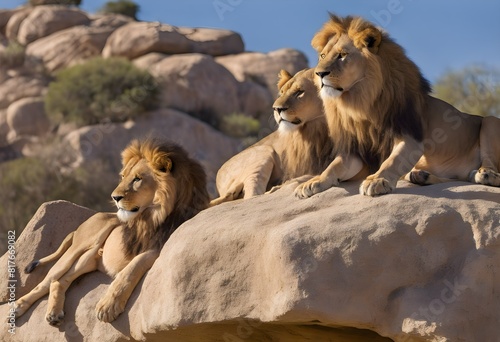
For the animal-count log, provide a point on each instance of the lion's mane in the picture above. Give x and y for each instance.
(389, 101)
(181, 194)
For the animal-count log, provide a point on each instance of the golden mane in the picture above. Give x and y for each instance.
(389, 101)
(181, 193)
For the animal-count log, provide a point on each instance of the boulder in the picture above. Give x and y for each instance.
(16, 88)
(5, 15)
(196, 84)
(202, 142)
(45, 20)
(14, 22)
(263, 68)
(421, 264)
(139, 38)
(68, 47)
(27, 117)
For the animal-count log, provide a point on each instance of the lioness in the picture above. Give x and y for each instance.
(299, 148)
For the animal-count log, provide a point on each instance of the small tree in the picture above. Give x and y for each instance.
(125, 7)
(13, 56)
(100, 91)
(55, 2)
(474, 90)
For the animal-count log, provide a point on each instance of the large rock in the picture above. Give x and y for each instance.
(139, 38)
(27, 117)
(5, 16)
(422, 264)
(16, 88)
(263, 68)
(73, 45)
(196, 84)
(45, 20)
(14, 22)
(203, 143)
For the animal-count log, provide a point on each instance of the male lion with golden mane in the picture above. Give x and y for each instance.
(300, 146)
(378, 106)
(161, 187)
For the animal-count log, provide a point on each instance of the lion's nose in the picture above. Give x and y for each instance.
(280, 109)
(117, 198)
(322, 73)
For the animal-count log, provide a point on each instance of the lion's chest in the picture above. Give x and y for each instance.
(113, 258)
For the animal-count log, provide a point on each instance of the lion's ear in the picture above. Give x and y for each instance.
(369, 38)
(166, 165)
(283, 77)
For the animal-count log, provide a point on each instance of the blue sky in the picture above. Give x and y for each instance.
(437, 34)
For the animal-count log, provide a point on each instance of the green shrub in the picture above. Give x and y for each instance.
(13, 56)
(100, 91)
(28, 182)
(239, 125)
(125, 7)
(55, 2)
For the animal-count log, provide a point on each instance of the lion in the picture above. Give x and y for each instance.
(298, 149)
(378, 107)
(160, 188)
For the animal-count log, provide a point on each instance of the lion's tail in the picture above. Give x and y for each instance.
(68, 240)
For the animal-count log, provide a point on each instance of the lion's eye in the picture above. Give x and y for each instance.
(342, 55)
(322, 56)
(136, 179)
(299, 94)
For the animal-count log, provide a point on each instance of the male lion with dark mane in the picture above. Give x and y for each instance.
(378, 106)
(299, 148)
(161, 187)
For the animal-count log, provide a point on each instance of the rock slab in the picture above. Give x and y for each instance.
(421, 264)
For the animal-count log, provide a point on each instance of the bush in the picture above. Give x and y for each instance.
(28, 182)
(55, 2)
(239, 125)
(125, 7)
(13, 56)
(100, 91)
(474, 90)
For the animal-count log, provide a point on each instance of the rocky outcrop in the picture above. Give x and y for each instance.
(274, 267)
(106, 142)
(26, 117)
(44, 20)
(17, 88)
(139, 38)
(68, 47)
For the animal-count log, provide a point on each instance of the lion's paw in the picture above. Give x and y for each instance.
(55, 317)
(109, 308)
(419, 177)
(20, 308)
(375, 187)
(311, 187)
(485, 176)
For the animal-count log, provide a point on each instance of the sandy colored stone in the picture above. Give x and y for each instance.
(27, 117)
(14, 22)
(196, 84)
(263, 68)
(210, 147)
(139, 38)
(16, 88)
(421, 264)
(45, 20)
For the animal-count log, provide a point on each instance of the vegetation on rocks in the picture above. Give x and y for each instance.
(13, 56)
(100, 91)
(125, 7)
(55, 2)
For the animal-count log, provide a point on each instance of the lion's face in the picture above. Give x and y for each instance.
(136, 190)
(298, 102)
(346, 48)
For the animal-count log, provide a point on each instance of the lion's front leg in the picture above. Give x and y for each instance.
(342, 168)
(404, 156)
(114, 301)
